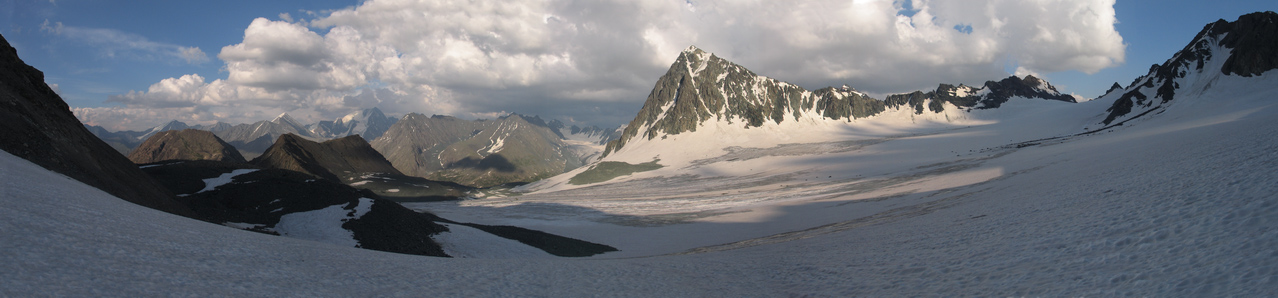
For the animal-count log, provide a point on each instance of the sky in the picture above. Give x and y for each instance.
(132, 65)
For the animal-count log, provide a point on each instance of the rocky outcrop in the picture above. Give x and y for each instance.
(331, 160)
(186, 144)
(1250, 43)
(35, 124)
(990, 96)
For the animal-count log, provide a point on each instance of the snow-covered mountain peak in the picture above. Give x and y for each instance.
(692, 49)
(284, 118)
(352, 116)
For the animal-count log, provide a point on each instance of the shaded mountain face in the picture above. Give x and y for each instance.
(477, 153)
(186, 144)
(701, 87)
(123, 141)
(36, 125)
(368, 123)
(1246, 47)
(331, 160)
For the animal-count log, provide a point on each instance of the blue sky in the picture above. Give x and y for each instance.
(590, 64)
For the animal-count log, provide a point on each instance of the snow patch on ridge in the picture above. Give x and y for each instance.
(213, 183)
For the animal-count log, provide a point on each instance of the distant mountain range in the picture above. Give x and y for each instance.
(701, 91)
(555, 148)
(254, 138)
(697, 89)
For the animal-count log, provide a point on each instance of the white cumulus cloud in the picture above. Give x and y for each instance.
(596, 61)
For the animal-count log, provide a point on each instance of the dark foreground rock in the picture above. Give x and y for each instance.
(260, 199)
(36, 125)
(331, 160)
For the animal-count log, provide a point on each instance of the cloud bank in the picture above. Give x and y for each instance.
(594, 62)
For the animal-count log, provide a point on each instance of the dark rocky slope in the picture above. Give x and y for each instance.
(1251, 44)
(259, 199)
(35, 124)
(331, 160)
(186, 144)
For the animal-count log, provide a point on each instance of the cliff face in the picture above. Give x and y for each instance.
(186, 144)
(35, 124)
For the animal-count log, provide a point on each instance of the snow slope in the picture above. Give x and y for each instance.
(1182, 204)
(324, 225)
(467, 242)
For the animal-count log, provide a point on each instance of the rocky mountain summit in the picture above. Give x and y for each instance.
(186, 144)
(700, 87)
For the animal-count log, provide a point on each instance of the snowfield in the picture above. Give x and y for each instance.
(324, 225)
(1181, 203)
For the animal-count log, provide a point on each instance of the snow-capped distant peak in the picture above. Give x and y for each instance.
(352, 116)
(284, 118)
